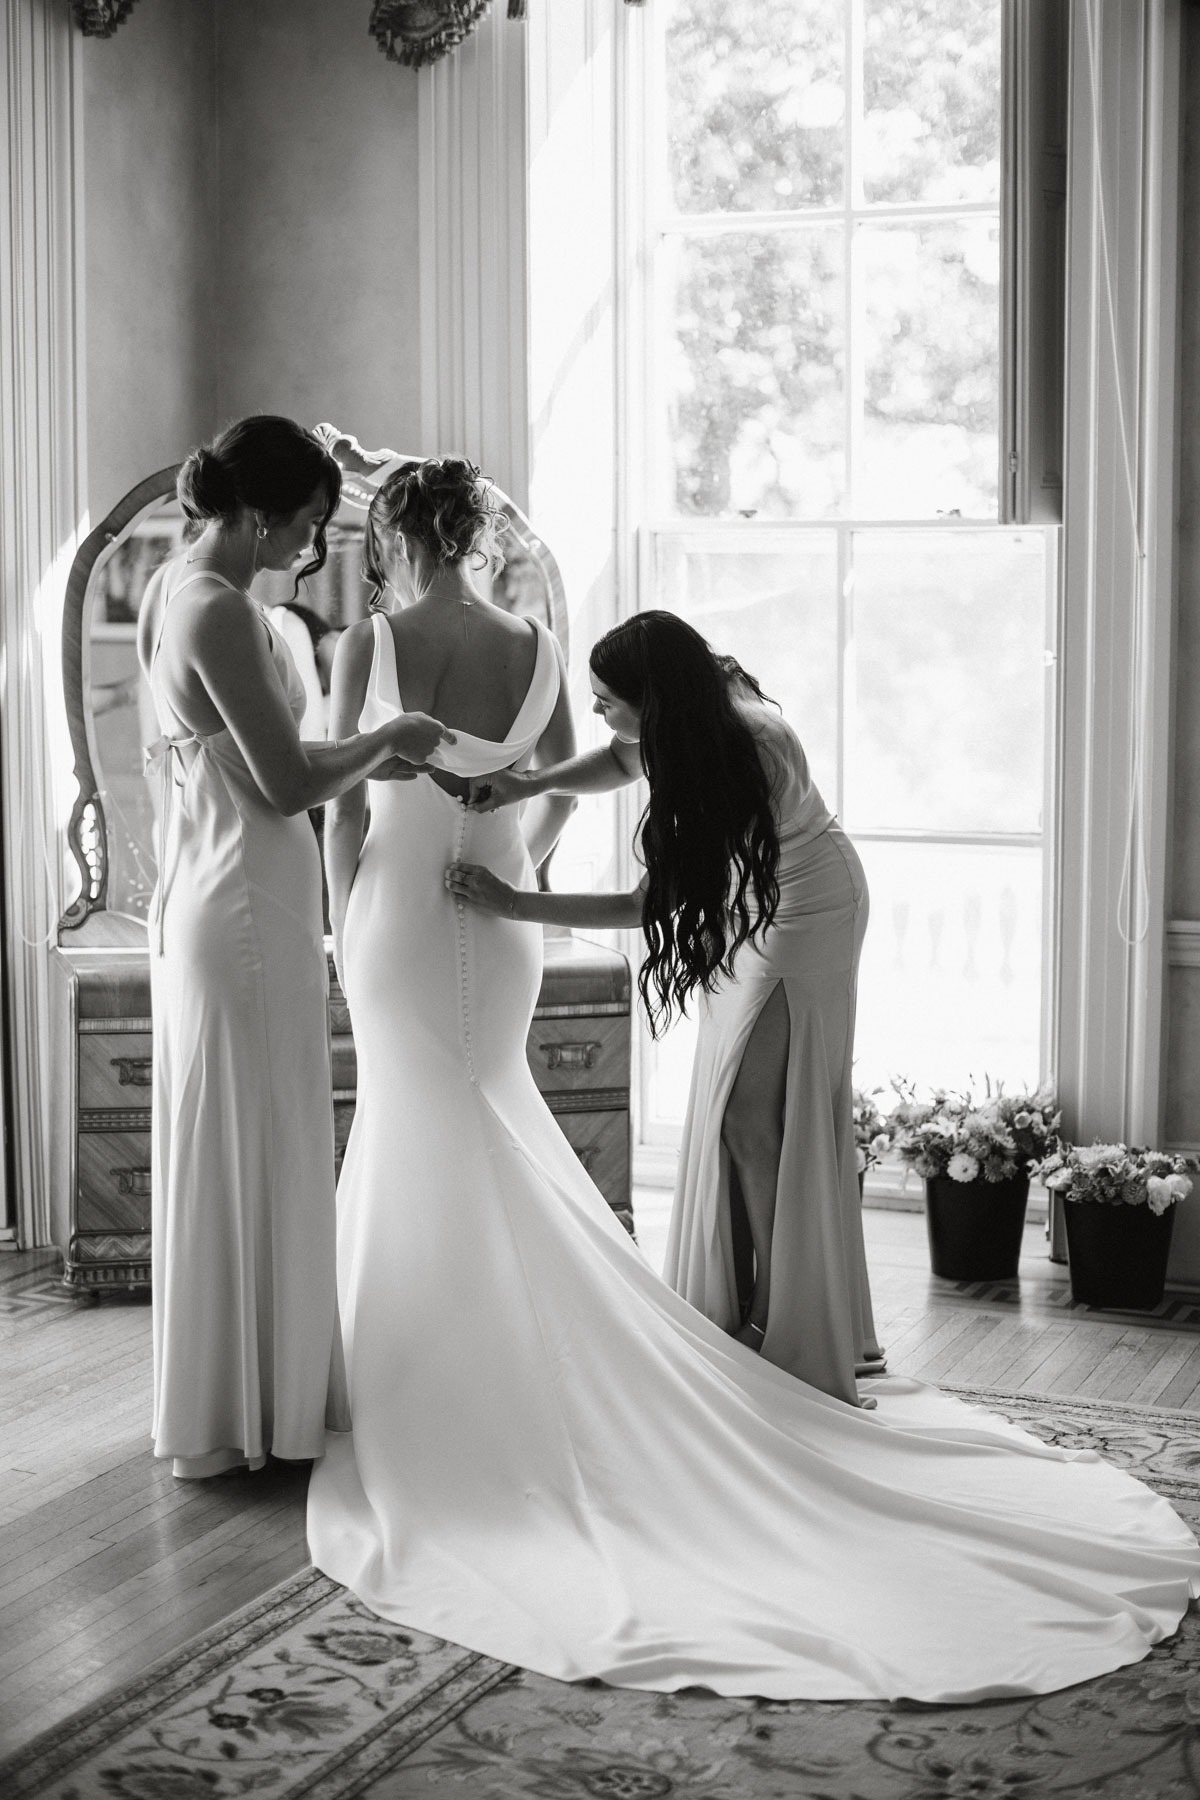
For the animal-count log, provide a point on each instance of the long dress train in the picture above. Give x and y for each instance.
(557, 1461)
(819, 1325)
(247, 1355)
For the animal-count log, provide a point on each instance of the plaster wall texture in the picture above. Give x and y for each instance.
(319, 295)
(150, 242)
(250, 230)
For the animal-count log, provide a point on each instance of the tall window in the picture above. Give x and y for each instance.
(816, 265)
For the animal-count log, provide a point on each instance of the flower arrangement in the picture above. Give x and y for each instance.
(872, 1131)
(1116, 1175)
(993, 1139)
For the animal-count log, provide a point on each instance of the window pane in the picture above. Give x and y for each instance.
(755, 98)
(752, 373)
(951, 979)
(776, 610)
(666, 1079)
(948, 725)
(931, 310)
(931, 100)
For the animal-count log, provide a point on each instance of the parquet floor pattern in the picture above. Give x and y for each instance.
(107, 1563)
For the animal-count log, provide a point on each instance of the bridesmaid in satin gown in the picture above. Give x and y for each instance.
(554, 1459)
(768, 1141)
(247, 1358)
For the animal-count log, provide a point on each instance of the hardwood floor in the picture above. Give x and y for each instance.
(107, 1563)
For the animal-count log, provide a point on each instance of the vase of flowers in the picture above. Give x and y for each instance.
(1119, 1206)
(872, 1132)
(976, 1158)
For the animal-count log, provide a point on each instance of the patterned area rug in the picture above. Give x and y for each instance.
(306, 1693)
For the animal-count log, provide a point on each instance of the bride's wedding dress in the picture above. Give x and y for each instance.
(557, 1461)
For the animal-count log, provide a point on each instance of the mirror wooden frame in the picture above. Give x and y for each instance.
(87, 827)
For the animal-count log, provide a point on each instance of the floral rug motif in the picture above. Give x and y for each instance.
(307, 1693)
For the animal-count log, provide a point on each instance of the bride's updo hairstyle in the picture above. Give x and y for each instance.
(444, 503)
(708, 834)
(267, 463)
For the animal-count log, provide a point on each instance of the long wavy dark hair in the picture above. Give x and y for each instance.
(266, 462)
(708, 833)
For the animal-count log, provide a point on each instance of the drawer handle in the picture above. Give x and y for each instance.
(133, 1071)
(570, 1056)
(132, 1181)
(587, 1156)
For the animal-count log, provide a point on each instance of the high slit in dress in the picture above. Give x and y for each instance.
(819, 1325)
(558, 1462)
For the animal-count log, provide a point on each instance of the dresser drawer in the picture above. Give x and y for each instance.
(113, 1181)
(345, 1063)
(601, 1142)
(582, 1053)
(114, 1069)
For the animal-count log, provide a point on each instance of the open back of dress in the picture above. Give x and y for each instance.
(557, 1461)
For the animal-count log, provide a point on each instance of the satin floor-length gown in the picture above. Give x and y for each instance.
(819, 1325)
(247, 1355)
(557, 1461)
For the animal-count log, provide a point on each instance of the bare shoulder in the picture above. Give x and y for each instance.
(214, 617)
(148, 619)
(355, 647)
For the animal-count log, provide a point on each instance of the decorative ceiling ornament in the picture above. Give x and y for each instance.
(415, 32)
(100, 18)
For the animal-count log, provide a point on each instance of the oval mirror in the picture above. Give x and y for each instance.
(112, 830)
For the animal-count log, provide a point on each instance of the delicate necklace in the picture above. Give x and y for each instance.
(190, 562)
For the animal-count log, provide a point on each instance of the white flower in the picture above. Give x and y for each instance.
(1158, 1194)
(1060, 1178)
(962, 1167)
(881, 1145)
(1092, 1155)
(1022, 1120)
(1164, 1190)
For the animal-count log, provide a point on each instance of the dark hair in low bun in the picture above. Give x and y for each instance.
(445, 503)
(205, 488)
(265, 462)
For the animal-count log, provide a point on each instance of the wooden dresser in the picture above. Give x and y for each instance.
(578, 1048)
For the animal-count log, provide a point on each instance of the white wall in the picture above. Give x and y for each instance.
(250, 223)
(150, 236)
(318, 303)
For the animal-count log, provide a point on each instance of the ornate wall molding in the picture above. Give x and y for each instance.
(41, 504)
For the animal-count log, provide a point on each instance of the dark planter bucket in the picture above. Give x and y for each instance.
(1118, 1254)
(975, 1227)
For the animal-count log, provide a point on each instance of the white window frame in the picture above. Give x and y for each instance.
(1109, 994)
(643, 225)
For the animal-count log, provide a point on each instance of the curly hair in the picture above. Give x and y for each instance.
(446, 504)
(708, 834)
(266, 462)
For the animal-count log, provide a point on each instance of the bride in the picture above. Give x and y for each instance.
(554, 1459)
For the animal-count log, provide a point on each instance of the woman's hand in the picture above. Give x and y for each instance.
(416, 735)
(490, 792)
(468, 881)
(396, 769)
